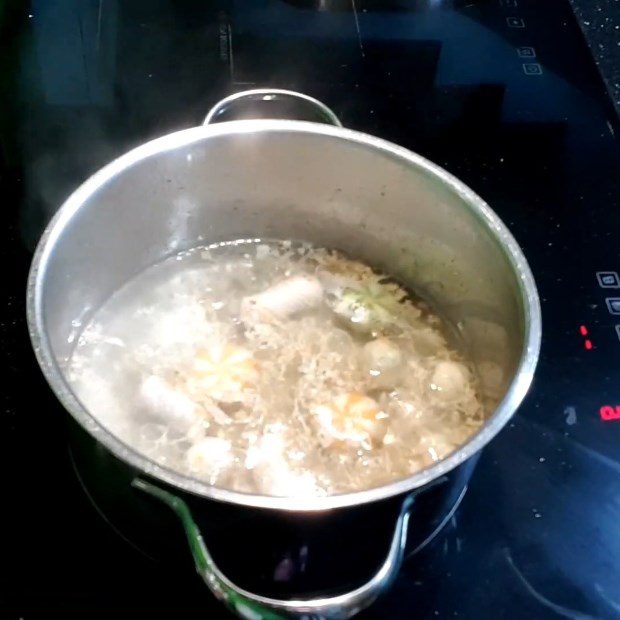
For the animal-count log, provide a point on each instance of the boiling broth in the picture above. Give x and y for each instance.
(275, 368)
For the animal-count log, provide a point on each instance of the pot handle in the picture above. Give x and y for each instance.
(271, 103)
(250, 605)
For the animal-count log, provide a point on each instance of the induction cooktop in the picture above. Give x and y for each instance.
(502, 93)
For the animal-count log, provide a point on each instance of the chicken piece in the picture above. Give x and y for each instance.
(384, 361)
(449, 380)
(383, 354)
(282, 300)
(170, 404)
(272, 471)
(352, 418)
(222, 373)
(210, 455)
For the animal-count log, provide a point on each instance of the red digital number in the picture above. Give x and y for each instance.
(587, 343)
(610, 413)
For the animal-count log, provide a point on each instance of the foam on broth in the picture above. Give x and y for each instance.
(275, 368)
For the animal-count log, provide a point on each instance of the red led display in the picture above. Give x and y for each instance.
(609, 412)
(587, 343)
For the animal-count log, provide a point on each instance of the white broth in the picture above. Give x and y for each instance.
(276, 368)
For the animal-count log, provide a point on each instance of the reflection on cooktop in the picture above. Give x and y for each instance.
(379, 6)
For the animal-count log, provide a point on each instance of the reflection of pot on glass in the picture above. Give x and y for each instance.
(392, 6)
(274, 179)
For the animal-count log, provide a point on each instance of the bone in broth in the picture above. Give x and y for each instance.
(275, 368)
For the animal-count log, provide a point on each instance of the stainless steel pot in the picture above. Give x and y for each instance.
(268, 178)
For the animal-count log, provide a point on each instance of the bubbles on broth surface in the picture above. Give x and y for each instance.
(275, 368)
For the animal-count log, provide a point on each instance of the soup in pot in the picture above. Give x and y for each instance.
(276, 368)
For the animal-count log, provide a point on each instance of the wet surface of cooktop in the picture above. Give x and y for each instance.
(502, 93)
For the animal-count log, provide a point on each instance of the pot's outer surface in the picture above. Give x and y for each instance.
(275, 553)
(290, 180)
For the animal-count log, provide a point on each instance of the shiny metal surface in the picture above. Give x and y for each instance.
(249, 604)
(289, 179)
(247, 98)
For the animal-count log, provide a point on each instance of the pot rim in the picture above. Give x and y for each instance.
(484, 214)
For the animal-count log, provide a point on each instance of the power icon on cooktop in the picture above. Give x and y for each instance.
(608, 279)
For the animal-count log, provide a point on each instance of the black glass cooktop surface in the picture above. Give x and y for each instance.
(502, 93)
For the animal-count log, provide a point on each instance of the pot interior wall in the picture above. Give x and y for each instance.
(280, 183)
